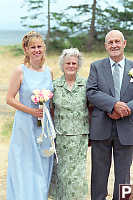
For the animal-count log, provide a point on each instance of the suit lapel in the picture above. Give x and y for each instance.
(108, 74)
(126, 77)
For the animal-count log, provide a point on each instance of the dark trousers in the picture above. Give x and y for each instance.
(101, 162)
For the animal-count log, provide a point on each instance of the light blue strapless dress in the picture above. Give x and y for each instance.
(29, 171)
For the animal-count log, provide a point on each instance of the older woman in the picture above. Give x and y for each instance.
(69, 180)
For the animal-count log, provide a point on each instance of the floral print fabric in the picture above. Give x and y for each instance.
(71, 113)
(69, 179)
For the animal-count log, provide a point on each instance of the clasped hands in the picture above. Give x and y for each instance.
(120, 110)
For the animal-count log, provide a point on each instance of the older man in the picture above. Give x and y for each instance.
(110, 90)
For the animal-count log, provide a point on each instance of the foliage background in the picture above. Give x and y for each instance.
(83, 24)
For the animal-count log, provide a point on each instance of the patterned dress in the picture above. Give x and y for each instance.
(69, 181)
(29, 170)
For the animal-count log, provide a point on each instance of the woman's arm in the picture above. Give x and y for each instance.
(13, 89)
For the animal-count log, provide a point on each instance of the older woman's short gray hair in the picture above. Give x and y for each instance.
(70, 52)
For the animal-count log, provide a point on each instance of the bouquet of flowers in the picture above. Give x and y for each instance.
(40, 97)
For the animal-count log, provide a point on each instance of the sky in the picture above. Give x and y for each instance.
(10, 13)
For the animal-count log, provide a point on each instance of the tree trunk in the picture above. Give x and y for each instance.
(48, 32)
(92, 27)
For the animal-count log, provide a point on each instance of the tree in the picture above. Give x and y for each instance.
(69, 27)
(37, 15)
(35, 11)
(83, 21)
(126, 15)
(48, 33)
(92, 26)
(84, 25)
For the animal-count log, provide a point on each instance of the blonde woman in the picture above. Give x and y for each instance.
(29, 170)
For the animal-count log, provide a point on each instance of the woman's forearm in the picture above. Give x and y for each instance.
(19, 106)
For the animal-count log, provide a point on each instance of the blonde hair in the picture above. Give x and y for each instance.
(70, 52)
(27, 39)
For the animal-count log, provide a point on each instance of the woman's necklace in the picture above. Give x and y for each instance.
(70, 83)
(35, 67)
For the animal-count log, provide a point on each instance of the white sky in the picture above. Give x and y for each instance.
(10, 13)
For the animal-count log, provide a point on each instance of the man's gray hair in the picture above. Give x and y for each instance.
(117, 31)
(70, 52)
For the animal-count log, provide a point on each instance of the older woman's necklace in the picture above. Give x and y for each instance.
(70, 84)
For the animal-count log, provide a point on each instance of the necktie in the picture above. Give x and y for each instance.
(116, 78)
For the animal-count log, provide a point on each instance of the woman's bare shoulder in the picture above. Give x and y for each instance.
(18, 69)
(17, 73)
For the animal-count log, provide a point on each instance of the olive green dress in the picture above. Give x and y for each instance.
(69, 180)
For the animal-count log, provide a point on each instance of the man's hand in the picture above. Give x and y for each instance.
(122, 109)
(114, 115)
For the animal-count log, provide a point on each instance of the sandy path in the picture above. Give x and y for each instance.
(4, 146)
(3, 168)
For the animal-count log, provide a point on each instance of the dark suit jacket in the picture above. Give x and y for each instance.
(101, 93)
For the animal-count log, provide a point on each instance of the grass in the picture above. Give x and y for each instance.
(16, 50)
(7, 127)
(12, 56)
(9, 60)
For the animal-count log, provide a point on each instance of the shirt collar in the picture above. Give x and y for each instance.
(121, 63)
(61, 81)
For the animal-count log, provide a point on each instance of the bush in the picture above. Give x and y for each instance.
(129, 46)
(59, 43)
(16, 50)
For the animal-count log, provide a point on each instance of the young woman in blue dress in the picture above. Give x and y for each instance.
(29, 169)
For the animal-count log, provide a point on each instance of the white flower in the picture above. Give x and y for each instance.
(131, 80)
(130, 73)
(36, 91)
(40, 139)
(49, 152)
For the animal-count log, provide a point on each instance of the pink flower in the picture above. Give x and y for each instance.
(41, 96)
(35, 99)
(50, 95)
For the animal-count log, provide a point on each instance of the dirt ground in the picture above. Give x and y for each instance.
(4, 146)
(6, 112)
(3, 168)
